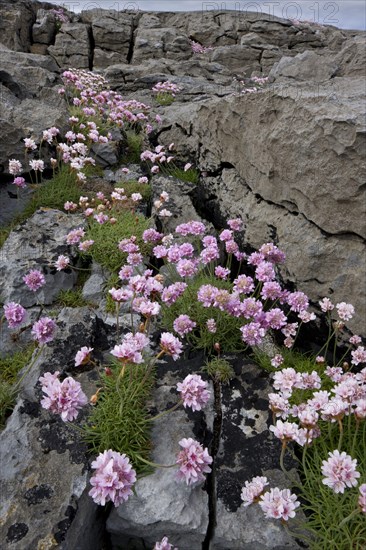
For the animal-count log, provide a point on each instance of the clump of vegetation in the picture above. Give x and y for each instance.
(191, 175)
(133, 148)
(107, 236)
(10, 366)
(71, 298)
(219, 369)
(119, 418)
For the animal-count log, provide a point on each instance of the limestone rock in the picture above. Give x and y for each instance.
(36, 244)
(44, 29)
(72, 46)
(39, 504)
(237, 58)
(306, 66)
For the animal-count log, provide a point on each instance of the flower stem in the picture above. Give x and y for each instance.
(180, 402)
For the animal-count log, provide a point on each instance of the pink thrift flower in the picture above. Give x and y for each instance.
(279, 504)
(171, 293)
(15, 167)
(277, 361)
(34, 280)
(30, 144)
(222, 272)
(64, 398)
(75, 236)
(211, 326)
(43, 330)
(82, 357)
(362, 498)
(143, 179)
(62, 262)
(191, 228)
(164, 544)
(345, 311)
(193, 461)
(298, 301)
(326, 305)
(252, 490)
(358, 356)
(183, 325)
(113, 479)
(194, 392)
(187, 166)
(70, 206)
(37, 165)
(14, 314)
(340, 471)
(252, 333)
(20, 182)
(85, 245)
(171, 345)
(235, 224)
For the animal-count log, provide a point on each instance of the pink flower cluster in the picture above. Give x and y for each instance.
(166, 88)
(15, 314)
(194, 392)
(130, 351)
(113, 479)
(275, 503)
(44, 330)
(34, 280)
(64, 398)
(82, 357)
(193, 461)
(164, 544)
(340, 471)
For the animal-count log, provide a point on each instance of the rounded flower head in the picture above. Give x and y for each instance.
(279, 504)
(252, 490)
(64, 398)
(113, 479)
(82, 357)
(171, 345)
(194, 392)
(164, 544)
(183, 325)
(193, 461)
(43, 330)
(14, 314)
(340, 471)
(34, 280)
(62, 262)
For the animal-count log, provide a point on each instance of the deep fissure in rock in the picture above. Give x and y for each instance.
(211, 478)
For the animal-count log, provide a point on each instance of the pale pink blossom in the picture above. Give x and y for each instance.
(113, 478)
(44, 330)
(15, 167)
(279, 504)
(339, 471)
(164, 544)
(171, 345)
(252, 490)
(345, 311)
(82, 357)
(193, 461)
(15, 314)
(34, 280)
(64, 398)
(62, 262)
(326, 305)
(211, 326)
(362, 498)
(183, 325)
(193, 392)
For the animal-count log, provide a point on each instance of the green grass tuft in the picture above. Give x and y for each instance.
(10, 366)
(71, 298)
(107, 236)
(119, 419)
(134, 146)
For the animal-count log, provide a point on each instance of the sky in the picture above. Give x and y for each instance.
(346, 14)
